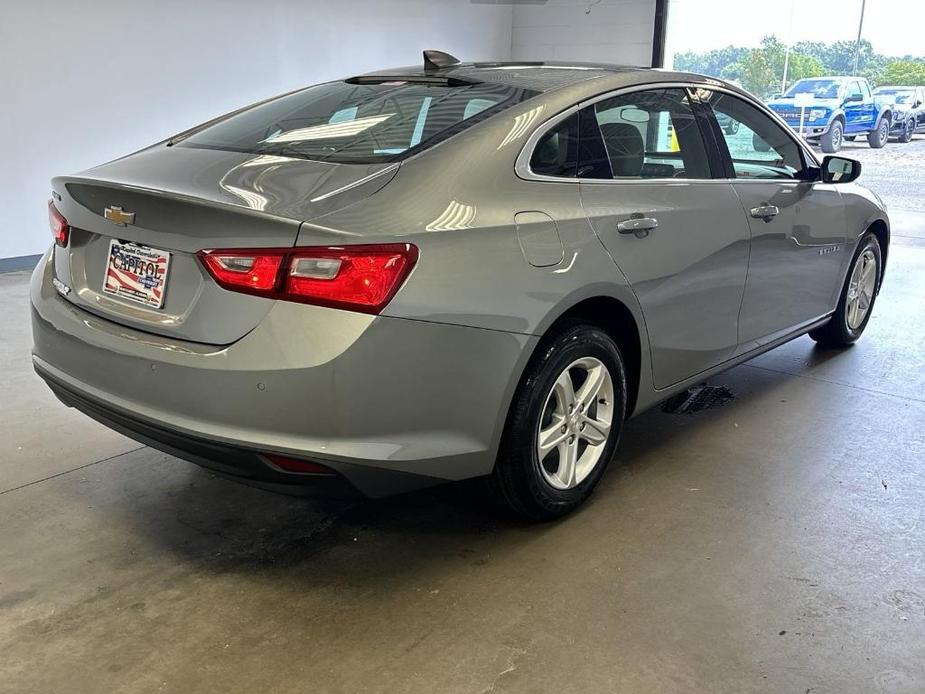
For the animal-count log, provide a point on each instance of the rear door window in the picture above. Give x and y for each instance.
(647, 134)
(350, 122)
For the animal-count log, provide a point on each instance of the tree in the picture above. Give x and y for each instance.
(772, 56)
(761, 70)
(757, 74)
(838, 58)
(711, 63)
(803, 66)
(904, 72)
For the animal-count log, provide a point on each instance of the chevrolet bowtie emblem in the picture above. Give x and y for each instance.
(117, 215)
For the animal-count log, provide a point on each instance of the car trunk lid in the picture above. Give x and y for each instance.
(184, 200)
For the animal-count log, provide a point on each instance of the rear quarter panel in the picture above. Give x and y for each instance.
(457, 202)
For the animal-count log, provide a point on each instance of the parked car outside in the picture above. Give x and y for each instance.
(908, 110)
(445, 272)
(729, 126)
(835, 108)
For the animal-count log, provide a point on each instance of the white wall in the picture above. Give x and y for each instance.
(610, 31)
(85, 81)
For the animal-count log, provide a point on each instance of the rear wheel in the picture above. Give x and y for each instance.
(877, 138)
(857, 298)
(908, 131)
(564, 424)
(831, 139)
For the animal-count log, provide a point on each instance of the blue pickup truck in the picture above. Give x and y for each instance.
(837, 109)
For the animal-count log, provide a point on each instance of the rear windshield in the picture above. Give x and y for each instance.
(358, 123)
(821, 89)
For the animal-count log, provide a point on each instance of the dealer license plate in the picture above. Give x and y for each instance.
(137, 273)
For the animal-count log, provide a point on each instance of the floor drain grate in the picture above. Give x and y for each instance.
(698, 398)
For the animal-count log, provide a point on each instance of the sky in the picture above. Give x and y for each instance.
(895, 28)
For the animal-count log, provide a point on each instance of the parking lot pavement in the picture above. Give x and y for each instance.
(896, 172)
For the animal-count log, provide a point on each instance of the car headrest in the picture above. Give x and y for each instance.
(625, 147)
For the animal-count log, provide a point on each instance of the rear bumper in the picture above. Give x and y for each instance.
(389, 404)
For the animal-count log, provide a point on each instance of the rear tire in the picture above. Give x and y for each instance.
(832, 138)
(908, 131)
(878, 137)
(858, 294)
(543, 417)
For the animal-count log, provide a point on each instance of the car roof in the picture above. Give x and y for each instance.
(829, 78)
(573, 80)
(536, 76)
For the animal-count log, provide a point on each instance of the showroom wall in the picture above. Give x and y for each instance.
(611, 31)
(84, 82)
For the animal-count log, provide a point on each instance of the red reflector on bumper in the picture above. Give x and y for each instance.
(296, 465)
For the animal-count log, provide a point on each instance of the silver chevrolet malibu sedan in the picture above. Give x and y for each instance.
(445, 271)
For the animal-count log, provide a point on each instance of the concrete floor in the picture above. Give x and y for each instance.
(776, 544)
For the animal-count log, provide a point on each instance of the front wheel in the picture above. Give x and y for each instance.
(908, 131)
(857, 297)
(831, 139)
(564, 424)
(877, 138)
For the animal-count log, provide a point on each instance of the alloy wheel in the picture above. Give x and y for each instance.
(861, 289)
(575, 423)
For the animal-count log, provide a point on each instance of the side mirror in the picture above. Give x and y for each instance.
(840, 170)
(852, 98)
(917, 104)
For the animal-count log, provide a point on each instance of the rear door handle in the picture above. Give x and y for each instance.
(640, 226)
(765, 212)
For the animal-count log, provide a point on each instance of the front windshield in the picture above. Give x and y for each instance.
(821, 89)
(350, 122)
(900, 96)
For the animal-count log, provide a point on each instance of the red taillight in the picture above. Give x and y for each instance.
(357, 278)
(245, 271)
(58, 224)
(364, 278)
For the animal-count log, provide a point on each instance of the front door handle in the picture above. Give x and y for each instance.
(765, 212)
(640, 226)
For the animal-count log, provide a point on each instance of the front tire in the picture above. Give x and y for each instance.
(878, 138)
(857, 297)
(832, 138)
(908, 131)
(564, 424)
